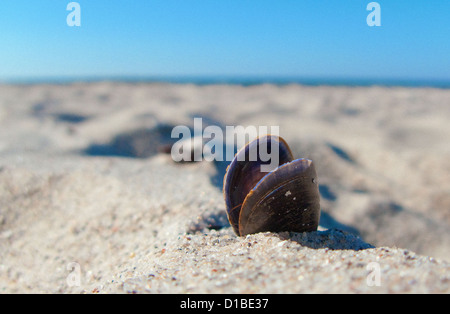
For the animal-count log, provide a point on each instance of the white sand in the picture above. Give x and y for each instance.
(147, 224)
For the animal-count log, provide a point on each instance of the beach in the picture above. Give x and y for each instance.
(90, 201)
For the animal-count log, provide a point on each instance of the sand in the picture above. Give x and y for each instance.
(89, 204)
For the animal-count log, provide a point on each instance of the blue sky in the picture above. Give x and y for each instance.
(252, 38)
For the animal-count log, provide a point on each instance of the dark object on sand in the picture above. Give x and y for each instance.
(284, 199)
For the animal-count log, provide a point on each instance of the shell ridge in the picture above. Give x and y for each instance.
(263, 197)
(279, 167)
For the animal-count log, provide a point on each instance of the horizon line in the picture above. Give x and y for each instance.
(246, 80)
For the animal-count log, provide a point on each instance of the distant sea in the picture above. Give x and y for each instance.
(238, 80)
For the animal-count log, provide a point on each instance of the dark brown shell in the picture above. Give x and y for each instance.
(285, 199)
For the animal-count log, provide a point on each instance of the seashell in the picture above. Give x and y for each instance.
(284, 199)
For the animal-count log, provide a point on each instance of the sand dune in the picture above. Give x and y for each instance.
(83, 182)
